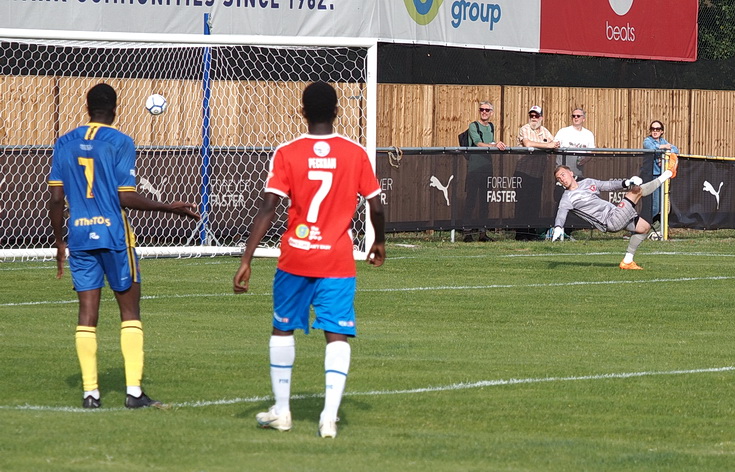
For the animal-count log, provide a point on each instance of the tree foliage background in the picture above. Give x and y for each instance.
(716, 29)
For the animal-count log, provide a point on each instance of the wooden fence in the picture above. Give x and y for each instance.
(35, 110)
(697, 121)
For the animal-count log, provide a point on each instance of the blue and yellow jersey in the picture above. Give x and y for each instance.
(93, 163)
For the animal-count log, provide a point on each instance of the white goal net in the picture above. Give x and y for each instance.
(230, 102)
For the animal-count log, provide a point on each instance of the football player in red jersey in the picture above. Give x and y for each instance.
(322, 174)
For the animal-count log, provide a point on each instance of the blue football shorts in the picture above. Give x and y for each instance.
(89, 268)
(333, 300)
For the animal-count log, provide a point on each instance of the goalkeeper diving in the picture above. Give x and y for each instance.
(583, 199)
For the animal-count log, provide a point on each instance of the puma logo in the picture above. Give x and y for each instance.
(709, 188)
(146, 185)
(436, 184)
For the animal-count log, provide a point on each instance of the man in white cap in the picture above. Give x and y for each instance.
(534, 134)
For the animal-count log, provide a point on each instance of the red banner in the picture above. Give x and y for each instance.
(643, 29)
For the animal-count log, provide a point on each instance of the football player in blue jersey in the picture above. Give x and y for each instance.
(93, 169)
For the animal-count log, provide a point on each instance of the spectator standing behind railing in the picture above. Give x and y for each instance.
(575, 136)
(651, 168)
(479, 170)
(530, 170)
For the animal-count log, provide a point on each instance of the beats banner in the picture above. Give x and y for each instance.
(644, 29)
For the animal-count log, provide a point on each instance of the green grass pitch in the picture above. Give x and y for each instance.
(506, 356)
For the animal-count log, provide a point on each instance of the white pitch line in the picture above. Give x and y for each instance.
(144, 297)
(567, 254)
(25, 268)
(207, 261)
(393, 289)
(557, 284)
(652, 253)
(442, 388)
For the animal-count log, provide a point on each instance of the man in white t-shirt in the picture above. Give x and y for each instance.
(575, 136)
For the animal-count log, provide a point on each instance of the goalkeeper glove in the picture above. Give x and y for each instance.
(558, 233)
(635, 180)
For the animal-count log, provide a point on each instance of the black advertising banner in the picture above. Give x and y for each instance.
(235, 181)
(512, 189)
(421, 191)
(235, 184)
(702, 194)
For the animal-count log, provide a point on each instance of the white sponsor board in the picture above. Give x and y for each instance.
(615, 28)
(496, 24)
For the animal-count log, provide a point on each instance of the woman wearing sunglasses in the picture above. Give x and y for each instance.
(652, 167)
(656, 140)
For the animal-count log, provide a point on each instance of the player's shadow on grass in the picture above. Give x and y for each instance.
(110, 380)
(308, 409)
(301, 408)
(558, 264)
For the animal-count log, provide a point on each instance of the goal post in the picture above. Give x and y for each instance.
(231, 100)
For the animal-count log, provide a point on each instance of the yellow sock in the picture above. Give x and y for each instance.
(131, 342)
(86, 342)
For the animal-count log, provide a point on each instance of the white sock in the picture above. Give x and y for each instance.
(336, 367)
(94, 393)
(635, 240)
(135, 391)
(282, 355)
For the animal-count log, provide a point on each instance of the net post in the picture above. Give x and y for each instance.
(371, 133)
(206, 130)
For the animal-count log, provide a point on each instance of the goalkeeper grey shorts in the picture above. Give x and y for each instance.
(622, 217)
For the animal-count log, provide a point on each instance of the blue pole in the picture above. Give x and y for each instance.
(205, 151)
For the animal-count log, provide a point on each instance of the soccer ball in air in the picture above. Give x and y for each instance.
(156, 104)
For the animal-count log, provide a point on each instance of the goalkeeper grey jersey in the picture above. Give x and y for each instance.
(585, 202)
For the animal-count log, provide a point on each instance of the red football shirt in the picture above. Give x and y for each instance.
(322, 176)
